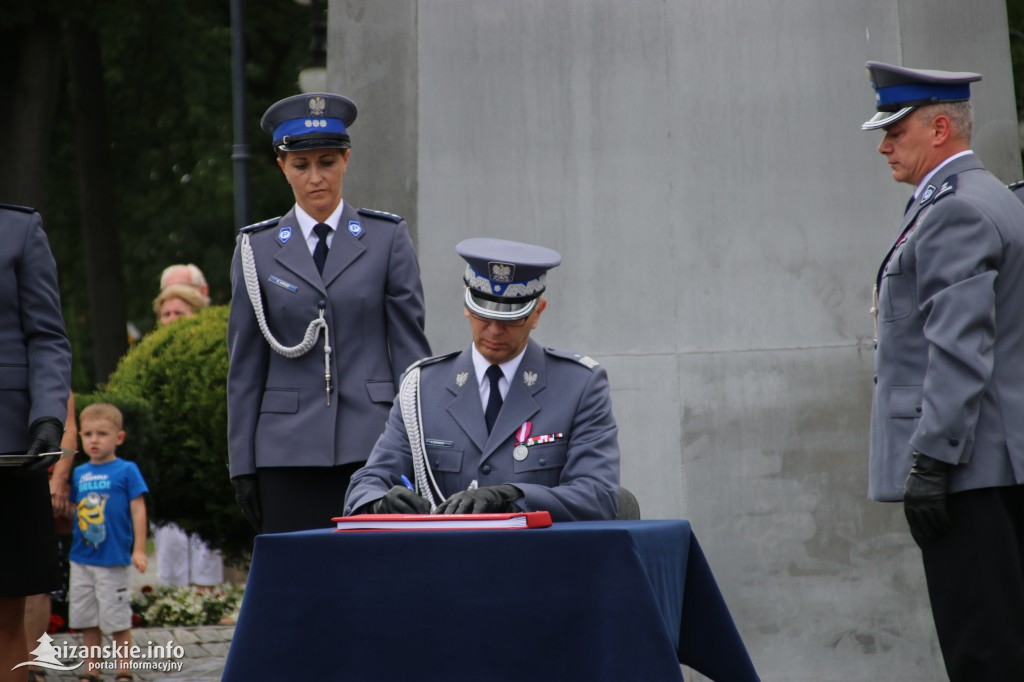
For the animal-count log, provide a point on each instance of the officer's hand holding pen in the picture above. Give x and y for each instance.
(401, 500)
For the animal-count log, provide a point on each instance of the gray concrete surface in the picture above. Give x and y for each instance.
(700, 165)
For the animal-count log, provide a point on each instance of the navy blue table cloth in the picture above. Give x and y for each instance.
(587, 601)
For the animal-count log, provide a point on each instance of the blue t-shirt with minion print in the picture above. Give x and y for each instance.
(103, 533)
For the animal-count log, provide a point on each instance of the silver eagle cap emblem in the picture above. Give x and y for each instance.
(502, 272)
(316, 106)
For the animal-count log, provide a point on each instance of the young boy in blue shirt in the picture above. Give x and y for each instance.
(109, 536)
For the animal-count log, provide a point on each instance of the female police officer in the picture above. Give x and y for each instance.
(326, 312)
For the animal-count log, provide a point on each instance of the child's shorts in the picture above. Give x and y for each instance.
(100, 597)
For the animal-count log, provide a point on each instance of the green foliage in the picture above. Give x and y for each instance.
(171, 387)
(168, 96)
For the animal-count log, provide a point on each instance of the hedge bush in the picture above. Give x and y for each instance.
(171, 387)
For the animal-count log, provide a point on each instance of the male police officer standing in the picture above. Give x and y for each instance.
(947, 427)
(504, 425)
(326, 312)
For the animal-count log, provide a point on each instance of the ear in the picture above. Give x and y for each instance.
(541, 305)
(280, 163)
(120, 437)
(941, 129)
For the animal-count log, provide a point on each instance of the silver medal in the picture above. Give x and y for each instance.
(520, 453)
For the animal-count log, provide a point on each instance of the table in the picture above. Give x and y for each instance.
(587, 601)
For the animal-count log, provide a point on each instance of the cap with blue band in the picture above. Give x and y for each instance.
(899, 90)
(504, 279)
(317, 120)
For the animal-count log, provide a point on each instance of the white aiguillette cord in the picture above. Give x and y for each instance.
(408, 395)
(252, 287)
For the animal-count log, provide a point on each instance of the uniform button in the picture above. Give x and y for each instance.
(437, 462)
(918, 409)
(542, 461)
(876, 378)
(485, 469)
(954, 442)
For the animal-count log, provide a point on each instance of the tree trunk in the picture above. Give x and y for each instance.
(32, 86)
(100, 240)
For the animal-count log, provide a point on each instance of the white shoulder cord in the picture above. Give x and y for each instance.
(409, 395)
(252, 287)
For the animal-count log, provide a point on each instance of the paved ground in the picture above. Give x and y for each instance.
(203, 649)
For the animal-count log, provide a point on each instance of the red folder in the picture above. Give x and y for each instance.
(540, 519)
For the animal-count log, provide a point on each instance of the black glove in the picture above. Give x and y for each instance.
(490, 500)
(924, 497)
(400, 500)
(247, 495)
(46, 436)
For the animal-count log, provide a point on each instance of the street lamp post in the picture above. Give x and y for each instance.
(313, 70)
(240, 149)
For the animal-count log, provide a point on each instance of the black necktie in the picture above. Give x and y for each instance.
(910, 202)
(320, 252)
(494, 399)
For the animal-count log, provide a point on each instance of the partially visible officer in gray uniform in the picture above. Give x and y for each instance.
(947, 423)
(504, 425)
(326, 311)
(35, 378)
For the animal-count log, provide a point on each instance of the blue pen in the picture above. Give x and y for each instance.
(407, 483)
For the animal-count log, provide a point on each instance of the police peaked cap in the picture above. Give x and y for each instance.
(317, 120)
(899, 90)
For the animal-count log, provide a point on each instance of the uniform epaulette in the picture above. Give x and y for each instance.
(429, 361)
(1014, 186)
(256, 227)
(15, 207)
(585, 360)
(380, 214)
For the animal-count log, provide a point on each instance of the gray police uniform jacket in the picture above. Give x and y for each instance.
(949, 360)
(278, 414)
(574, 475)
(35, 354)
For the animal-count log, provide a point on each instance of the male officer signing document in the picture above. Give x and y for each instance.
(947, 424)
(505, 425)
